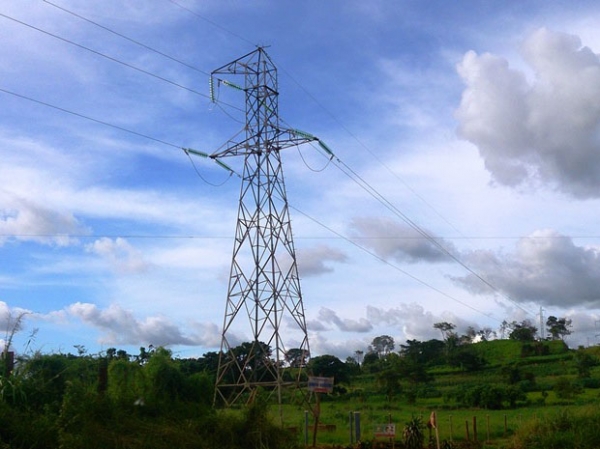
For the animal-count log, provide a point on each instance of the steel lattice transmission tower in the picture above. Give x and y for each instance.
(264, 286)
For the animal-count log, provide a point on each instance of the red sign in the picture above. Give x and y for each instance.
(385, 430)
(320, 384)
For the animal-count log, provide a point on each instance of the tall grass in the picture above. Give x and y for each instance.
(563, 429)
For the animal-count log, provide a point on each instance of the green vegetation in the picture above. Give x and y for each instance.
(119, 401)
(509, 394)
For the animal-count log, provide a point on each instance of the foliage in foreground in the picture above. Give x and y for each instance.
(565, 429)
(68, 402)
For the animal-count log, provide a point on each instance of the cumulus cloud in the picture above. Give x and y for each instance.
(545, 267)
(584, 325)
(321, 345)
(414, 322)
(29, 221)
(313, 261)
(329, 316)
(121, 255)
(392, 240)
(539, 129)
(11, 319)
(120, 326)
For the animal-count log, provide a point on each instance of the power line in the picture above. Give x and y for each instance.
(120, 128)
(179, 147)
(395, 267)
(386, 203)
(379, 197)
(367, 187)
(362, 182)
(216, 25)
(113, 59)
(87, 117)
(121, 35)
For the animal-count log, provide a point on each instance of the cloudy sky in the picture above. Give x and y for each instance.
(465, 185)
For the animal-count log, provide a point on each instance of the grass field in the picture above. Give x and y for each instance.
(455, 423)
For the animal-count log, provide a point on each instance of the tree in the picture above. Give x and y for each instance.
(447, 329)
(358, 356)
(427, 353)
(504, 327)
(412, 370)
(329, 366)
(353, 366)
(486, 333)
(469, 336)
(296, 357)
(255, 359)
(382, 345)
(523, 331)
(388, 380)
(558, 327)
(209, 362)
(371, 362)
(584, 362)
(466, 359)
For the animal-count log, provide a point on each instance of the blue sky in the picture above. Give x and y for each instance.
(478, 122)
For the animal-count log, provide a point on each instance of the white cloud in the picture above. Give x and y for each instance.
(321, 344)
(393, 240)
(543, 129)
(313, 261)
(11, 319)
(545, 267)
(120, 254)
(29, 221)
(412, 321)
(344, 324)
(120, 326)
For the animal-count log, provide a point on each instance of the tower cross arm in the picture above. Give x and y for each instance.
(282, 138)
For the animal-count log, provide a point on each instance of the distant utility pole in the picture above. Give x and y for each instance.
(542, 325)
(264, 286)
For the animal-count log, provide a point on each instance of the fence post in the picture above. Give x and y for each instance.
(305, 427)
(451, 431)
(357, 425)
(351, 429)
(467, 429)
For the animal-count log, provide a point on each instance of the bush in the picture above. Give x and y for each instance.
(590, 382)
(476, 395)
(566, 389)
(561, 430)
(413, 434)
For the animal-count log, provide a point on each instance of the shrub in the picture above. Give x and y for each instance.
(566, 389)
(561, 430)
(484, 395)
(413, 434)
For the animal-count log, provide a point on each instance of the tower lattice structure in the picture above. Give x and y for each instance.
(264, 287)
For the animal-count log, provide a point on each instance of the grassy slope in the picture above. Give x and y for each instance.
(453, 421)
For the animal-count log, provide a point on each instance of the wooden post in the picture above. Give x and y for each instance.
(306, 428)
(467, 430)
(392, 439)
(433, 424)
(451, 430)
(317, 416)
